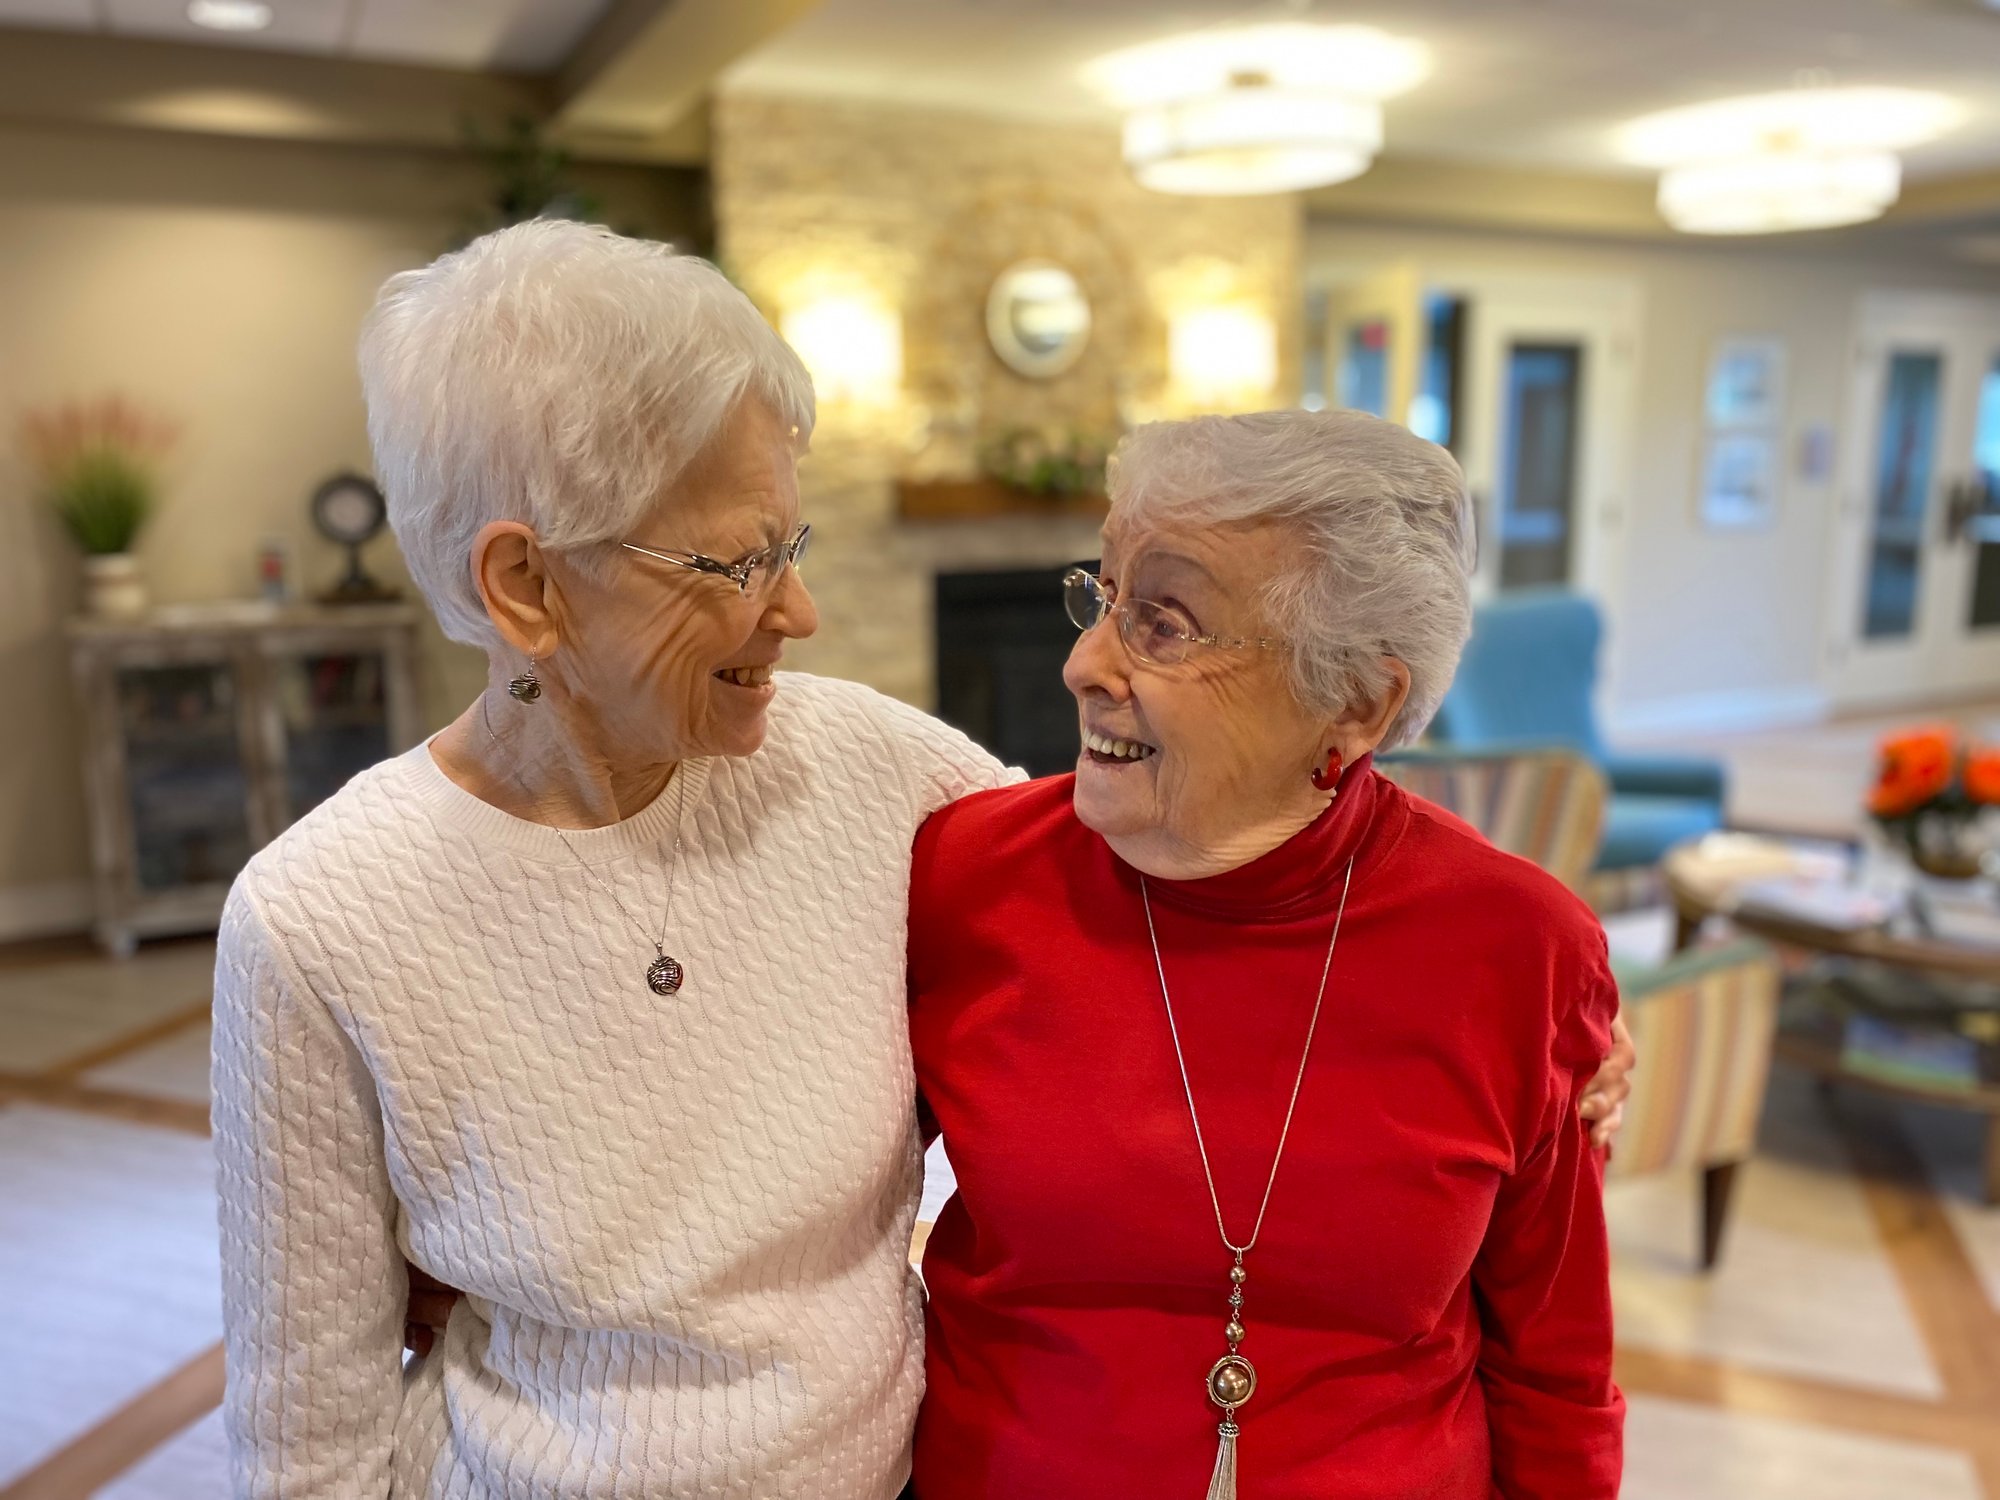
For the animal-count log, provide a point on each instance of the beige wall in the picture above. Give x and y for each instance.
(221, 282)
(919, 211)
(1709, 627)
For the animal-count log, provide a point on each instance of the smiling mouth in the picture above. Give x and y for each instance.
(746, 677)
(1106, 751)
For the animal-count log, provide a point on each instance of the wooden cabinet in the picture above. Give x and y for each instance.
(209, 730)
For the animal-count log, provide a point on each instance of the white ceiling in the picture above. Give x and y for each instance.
(1528, 82)
(508, 36)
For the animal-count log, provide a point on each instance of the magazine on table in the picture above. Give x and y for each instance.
(1817, 901)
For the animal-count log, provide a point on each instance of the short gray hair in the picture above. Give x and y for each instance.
(1385, 548)
(559, 375)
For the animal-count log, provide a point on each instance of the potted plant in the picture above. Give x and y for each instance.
(1931, 792)
(98, 467)
(1053, 465)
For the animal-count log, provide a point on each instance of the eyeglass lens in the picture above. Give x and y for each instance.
(1150, 631)
(769, 564)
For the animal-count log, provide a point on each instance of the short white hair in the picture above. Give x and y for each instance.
(1384, 554)
(559, 375)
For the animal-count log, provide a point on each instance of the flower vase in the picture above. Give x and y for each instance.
(113, 588)
(1945, 848)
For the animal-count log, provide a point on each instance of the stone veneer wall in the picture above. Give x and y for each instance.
(920, 211)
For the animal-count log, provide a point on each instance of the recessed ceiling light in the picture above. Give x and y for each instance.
(230, 15)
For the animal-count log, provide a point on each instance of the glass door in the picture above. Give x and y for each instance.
(334, 709)
(1917, 611)
(1973, 514)
(1535, 500)
(1542, 413)
(187, 786)
(1373, 341)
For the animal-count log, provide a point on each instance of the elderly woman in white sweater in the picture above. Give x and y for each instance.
(593, 1006)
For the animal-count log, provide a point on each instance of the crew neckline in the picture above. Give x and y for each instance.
(650, 830)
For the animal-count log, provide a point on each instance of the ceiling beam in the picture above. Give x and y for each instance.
(1448, 193)
(53, 77)
(637, 83)
(1971, 197)
(1472, 196)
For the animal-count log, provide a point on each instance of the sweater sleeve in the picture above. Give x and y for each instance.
(941, 764)
(313, 1287)
(1542, 1280)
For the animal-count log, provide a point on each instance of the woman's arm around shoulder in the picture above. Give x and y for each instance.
(936, 763)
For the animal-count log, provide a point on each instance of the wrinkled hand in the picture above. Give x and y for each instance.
(1604, 1101)
(431, 1302)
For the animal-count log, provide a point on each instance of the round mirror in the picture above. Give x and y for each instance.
(1038, 319)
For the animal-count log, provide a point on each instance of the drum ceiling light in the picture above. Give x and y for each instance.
(1257, 109)
(1774, 163)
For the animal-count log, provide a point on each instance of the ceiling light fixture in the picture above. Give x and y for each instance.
(1780, 190)
(1774, 163)
(230, 15)
(1257, 109)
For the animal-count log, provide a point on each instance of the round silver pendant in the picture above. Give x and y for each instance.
(664, 975)
(1232, 1382)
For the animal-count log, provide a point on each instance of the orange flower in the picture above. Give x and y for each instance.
(1917, 767)
(1982, 776)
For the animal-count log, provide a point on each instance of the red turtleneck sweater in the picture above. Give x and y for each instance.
(1428, 1309)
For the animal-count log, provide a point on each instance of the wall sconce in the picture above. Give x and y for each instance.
(1223, 356)
(852, 345)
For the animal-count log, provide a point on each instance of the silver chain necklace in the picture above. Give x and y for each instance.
(1232, 1380)
(665, 974)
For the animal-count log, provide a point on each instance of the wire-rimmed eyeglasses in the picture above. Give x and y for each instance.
(753, 573)
(1155, 633)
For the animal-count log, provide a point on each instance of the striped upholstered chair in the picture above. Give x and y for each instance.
(1703, 1022)
(1545, 805)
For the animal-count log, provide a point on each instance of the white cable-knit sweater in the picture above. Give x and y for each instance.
(682, 1223)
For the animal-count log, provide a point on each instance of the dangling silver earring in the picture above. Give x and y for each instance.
(527, 687)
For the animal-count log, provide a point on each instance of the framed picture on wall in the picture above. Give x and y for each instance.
(1739, 490)
(1746, 385)
(1745, 409)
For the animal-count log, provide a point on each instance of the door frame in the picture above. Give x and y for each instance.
(1605, 315)
(1939, 659)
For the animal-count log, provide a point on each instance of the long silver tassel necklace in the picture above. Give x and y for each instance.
(665, 974)
(1232, 1380)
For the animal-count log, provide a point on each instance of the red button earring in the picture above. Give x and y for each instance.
(1328, 779)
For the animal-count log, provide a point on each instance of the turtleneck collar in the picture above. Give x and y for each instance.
(1300, 876)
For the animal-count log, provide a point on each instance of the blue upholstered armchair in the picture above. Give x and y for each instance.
(1527, 679)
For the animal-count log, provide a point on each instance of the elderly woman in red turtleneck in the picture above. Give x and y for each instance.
(1260, 1076)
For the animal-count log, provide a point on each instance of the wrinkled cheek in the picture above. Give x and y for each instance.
(1171, 789)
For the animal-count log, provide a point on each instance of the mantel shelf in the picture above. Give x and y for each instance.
(985, 499)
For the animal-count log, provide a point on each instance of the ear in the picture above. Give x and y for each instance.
(1362, 726)
(513, 581)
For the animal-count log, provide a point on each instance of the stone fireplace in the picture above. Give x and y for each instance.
(1001, 639)
(912, 215)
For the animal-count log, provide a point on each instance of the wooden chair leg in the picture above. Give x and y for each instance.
(1717, 1184)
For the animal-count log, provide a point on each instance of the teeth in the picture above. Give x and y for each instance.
(1117, 749)
(746, 676)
